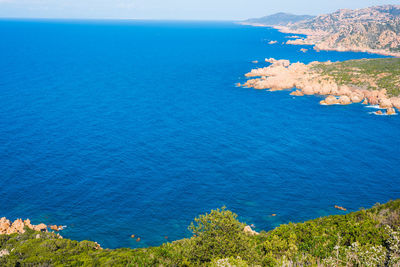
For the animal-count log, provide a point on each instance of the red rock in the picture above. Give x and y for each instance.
(308, 90)
(356, 97)
(40, 227)
(391, 111)
(344, 100)
(373, 100)
(395, 102)
(297, 93)
(385, 103)
(331, 100)
(379, 112)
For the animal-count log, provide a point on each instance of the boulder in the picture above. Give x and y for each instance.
(40, 227)
(356, 97)
(344, 100)
(379, 112)
(373, 100)
(395, 102)
(331, 100)
(390, 111)
(297, 93)
(4, 225)
(308, 90)
(385, 103)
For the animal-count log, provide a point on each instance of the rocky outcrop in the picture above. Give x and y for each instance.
(282, 75)
(330, 100)
(247, 229)
(344, 100)
(297, 93)
(18, 226)
(390, 111)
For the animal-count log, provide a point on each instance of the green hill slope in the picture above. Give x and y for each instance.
(364, 238)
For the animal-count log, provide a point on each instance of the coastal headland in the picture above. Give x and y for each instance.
(373, 29)
(342, 83)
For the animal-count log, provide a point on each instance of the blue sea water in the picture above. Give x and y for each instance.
(116, 128)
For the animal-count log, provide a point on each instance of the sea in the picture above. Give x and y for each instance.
(120, 128)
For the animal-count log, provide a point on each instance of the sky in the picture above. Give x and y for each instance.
(173, 9)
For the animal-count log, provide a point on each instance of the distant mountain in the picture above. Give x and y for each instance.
(375, 29)
(279, 19)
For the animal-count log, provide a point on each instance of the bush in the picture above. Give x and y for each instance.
(220, 235)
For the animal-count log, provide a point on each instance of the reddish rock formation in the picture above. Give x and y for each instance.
(330, 100)
(56, 228)
(396, 102)
(18, 226)
(344, 100)
(379, 112)
(385, 102)
(297, 93)
(356, 97)
(282, 75)
(391, 111)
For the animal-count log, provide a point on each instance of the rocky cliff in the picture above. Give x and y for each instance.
(374, 29)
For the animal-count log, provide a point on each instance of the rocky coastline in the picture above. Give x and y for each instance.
(306, 80)
(8, 227)
(371, 30)
(320, 43)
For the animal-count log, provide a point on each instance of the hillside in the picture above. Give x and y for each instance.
(374, 29)
(278, 19)
(364, 238)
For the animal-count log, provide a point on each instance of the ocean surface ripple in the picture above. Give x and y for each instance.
(116, 128)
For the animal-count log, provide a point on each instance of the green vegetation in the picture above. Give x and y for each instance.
(364, 238)
(371, 74)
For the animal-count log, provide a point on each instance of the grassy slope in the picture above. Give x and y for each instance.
(371, 74)
(343, 239)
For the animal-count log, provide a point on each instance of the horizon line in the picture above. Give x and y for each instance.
(117, 19)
